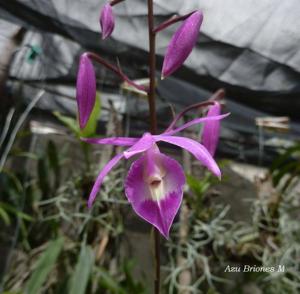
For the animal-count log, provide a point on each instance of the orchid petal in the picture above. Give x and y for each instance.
(154, 187)
(146, 142)
(198, 150)
(195, 121)
(106, 169)
(182, 43)
(85, 89)
(116, 141)
(211, 129)
(107, 21)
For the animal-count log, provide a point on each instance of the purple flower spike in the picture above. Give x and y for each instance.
(182, 43)
(154, 187)
(107, 21)
(211, 129)
(85, 89)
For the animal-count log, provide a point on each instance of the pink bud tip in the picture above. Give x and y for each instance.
(107, 21)
(85, 89)
(182, 43)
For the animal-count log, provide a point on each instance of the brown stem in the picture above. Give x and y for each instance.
(218, 95)
(152, 67)
(171, 21)
(153, 126)
(114, 2)
(116, 70)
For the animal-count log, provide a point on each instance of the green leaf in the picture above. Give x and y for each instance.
(107, 282)
(54, 161)
(4, 215)
(199, 187)
(69, 122)
(25, 154)
(11, 182)
(91, 126)
(43, 176)
(15, 211)
(53, 156)
(44, 265)
(84, 266)
(283, 158)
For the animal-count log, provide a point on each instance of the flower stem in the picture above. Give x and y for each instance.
(218, 95)
(114, 2)
(153, 126)
(157, 261)
(152, 67)
(172, 20)
(115, 69)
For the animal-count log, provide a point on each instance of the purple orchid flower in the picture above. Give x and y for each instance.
(182, 43)
(107, 21)
(211, 129)
(85, 89)
(154, 183)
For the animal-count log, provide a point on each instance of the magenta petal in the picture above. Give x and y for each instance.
(85, 89)
(198, 150)
(106, 169)
(211, 129)
(182, 43)
(155, 192)
(143, 144)
(107, 21)
(117, 141)
(211, 118)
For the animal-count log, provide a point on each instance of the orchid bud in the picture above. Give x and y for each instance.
(85, 89)
(182, 43)
(107, 21)
(211, 129)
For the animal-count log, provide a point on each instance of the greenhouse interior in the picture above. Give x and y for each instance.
(150, 146)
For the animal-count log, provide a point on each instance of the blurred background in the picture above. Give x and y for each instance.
(50, 242)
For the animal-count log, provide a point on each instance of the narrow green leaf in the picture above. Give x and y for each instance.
(69, 122)
(43, 176)
(4, 216)
(15, 211)
(54, 161)
(44, 265)
(107, 282)
(80, 278)
(199, 187)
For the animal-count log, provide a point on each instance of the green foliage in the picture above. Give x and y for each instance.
(4, 215)
(127, 284)
(69, 122)
(91, 126)
(83, 269)
(286, 168)
(14, 211)
(199, 188)
(44, 265)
